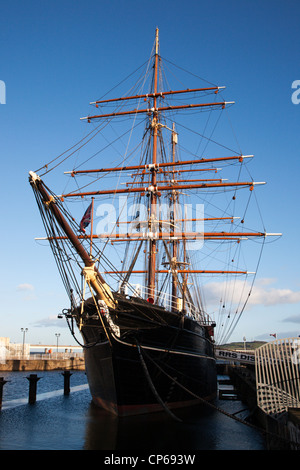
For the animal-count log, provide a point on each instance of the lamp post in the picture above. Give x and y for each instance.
(57, 336)
(24, 331)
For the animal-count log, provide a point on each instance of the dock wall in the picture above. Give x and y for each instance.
(72, 363)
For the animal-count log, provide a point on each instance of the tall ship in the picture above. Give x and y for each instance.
(152, 263)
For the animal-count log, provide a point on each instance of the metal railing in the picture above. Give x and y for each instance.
(277, 366)
(167, 301)
(43, 356)
(56, 355)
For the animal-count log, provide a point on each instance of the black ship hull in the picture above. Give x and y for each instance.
(139, 364)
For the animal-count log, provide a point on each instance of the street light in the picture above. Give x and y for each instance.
(57, 336)
(24, 331)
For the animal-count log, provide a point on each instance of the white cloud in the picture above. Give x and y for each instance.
(274, 296)
(50, 321)
(27, 292)
(25, 287)
(262, 293)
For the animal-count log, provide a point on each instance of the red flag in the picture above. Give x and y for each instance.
(86, 219)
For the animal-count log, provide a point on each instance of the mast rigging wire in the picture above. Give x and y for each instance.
(59, 249)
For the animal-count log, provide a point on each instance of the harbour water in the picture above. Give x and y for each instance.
(72, 422)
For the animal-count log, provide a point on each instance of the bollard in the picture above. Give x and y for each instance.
(66, 374)
(33, 379)
(2, 383)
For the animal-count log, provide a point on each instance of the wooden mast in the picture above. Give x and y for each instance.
(153, 194)
(153, 187)
(175, 242)
(92, 223)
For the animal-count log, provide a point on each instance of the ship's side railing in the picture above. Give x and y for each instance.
(163, 299)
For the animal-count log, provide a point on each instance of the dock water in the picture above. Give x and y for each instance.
(74, 423)
(214, 427)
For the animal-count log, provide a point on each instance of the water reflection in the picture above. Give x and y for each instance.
(58, 422)
(202, 428)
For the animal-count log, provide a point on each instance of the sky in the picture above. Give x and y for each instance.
(57, 56)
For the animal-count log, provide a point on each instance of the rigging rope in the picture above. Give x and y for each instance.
(60, 249)
(233, 325)
(211, 405)
(169, 412)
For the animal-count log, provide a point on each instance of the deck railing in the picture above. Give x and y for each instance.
(168, 301)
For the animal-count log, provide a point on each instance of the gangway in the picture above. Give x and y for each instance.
(235, 355)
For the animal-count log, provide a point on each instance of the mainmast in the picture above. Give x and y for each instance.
(174, 199)
(153, 195)
(154, 185)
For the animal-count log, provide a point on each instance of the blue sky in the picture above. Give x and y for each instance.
(57, 56)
